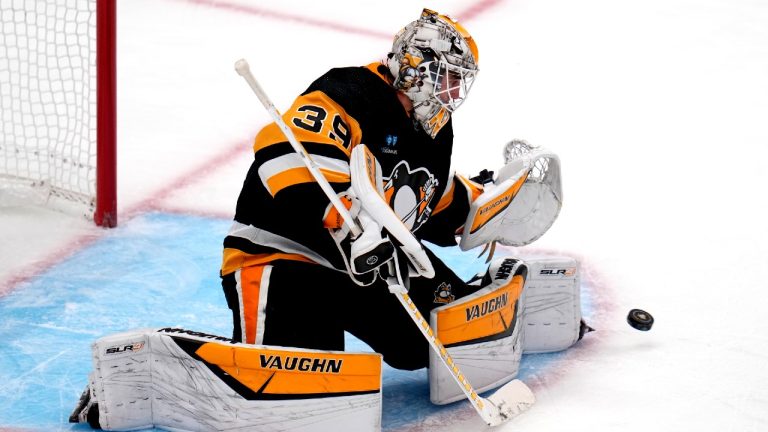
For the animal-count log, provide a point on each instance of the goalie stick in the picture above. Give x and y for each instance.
(506, 402)
(244, 70)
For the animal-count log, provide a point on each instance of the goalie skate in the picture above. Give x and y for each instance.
(86, 411)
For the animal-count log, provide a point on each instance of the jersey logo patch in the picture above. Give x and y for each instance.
(389, 145)
(409, 193)
(443, 294)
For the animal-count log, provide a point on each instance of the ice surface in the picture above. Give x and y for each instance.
(159, 270)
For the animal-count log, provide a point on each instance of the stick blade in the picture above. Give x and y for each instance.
(511, 400)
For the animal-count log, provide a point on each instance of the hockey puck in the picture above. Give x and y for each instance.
(640, 319)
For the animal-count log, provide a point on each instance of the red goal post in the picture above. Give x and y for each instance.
(58, 122)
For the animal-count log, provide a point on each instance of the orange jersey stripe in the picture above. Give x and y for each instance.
(294, 176)
(235, 259)
(314, 117)
(445, 200)
(250, 282)
(374, 67)
(474, 190)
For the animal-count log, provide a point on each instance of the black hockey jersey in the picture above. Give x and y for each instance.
(280, 209)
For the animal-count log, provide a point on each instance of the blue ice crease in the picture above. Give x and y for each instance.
(158, 270)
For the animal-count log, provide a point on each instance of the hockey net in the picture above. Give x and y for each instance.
(57, 106)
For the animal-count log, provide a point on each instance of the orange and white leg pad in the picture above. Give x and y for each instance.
(182, 380)
(552, 305)
(482, 333)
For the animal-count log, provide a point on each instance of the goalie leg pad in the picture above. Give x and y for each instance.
(481, 333)
(189, 381)
(552, 305)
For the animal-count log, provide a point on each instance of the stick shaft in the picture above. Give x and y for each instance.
(244, 70)
(483, 407)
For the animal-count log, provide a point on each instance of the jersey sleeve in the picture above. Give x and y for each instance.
(326, 132)
(447, 220)
(279, 213)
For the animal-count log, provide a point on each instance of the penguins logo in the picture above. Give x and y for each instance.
(409, 193)
(443, 294)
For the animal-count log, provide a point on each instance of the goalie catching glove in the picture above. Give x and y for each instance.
(521, 204)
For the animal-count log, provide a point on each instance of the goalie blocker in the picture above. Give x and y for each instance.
(189, 381)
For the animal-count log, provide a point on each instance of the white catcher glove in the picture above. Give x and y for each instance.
(521, 204)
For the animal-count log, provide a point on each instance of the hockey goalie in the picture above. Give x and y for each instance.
(344, 190)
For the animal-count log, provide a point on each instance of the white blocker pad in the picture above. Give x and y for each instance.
(552, 305)
(188, 381)
(482, 333)
(365, 173)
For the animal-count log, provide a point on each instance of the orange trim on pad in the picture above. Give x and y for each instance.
(292, 372)
(482, 317)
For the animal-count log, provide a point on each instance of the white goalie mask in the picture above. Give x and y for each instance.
(434, 62)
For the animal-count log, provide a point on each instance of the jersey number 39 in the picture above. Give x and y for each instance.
(313, 120)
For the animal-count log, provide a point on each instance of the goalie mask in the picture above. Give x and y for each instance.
(434, 62)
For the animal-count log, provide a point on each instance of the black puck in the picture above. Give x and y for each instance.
(640, 319)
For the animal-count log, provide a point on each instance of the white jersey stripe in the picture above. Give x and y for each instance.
(283, 163)
(266, 238)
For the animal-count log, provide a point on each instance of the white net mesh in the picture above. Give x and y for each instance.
(48, 102)
(518, 148)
